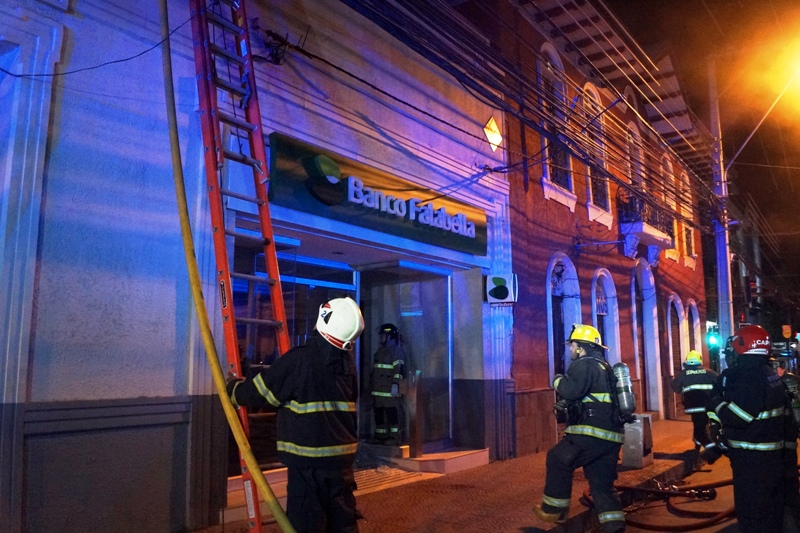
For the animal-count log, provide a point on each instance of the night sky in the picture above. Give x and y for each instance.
(756, 45)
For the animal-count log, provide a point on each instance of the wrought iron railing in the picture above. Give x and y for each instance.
(634, 209)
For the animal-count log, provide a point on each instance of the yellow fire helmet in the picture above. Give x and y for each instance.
(694, 358)
(585, 333)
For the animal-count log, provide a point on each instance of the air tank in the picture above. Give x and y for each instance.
(624, 389)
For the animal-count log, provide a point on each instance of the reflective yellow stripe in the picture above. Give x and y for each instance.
(265, 392)
(713, 416)
(555, 502)
(698, 387)
(382, 394)
(318, 407)
(611, 516)
(383, 365)
(602, 397)
(695, 410)
(741, 413)
(556, 382)
(322, 451)
(398, 362)
(763, 415)
(592, 431)
(756, 446)
(233, 395)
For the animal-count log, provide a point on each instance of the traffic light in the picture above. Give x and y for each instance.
(712, 337)
(713, 342)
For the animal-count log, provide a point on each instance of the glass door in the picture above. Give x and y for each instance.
(417, 300)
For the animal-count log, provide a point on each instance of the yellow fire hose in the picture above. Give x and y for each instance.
(197, 293)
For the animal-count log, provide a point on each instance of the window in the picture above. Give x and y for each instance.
(669, 192)
(593, 136)
(686, 208)
(557, 172)
(635, 157)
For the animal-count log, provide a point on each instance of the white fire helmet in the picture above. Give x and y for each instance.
(340, 322)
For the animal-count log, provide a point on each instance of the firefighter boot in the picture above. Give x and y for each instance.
(697, 458)
(711, 455)
(553, 518)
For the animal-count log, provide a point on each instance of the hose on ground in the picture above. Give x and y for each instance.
(197, 292)
(696, 491)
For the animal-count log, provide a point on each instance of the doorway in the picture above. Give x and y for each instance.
(417, 299)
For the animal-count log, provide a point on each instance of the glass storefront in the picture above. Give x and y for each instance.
(415, 298)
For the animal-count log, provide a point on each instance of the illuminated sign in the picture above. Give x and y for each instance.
(317, 181)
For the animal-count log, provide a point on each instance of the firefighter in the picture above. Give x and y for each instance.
(748, 417)
(695, 384)
(388, 371)
(314, 388)
(591, 441)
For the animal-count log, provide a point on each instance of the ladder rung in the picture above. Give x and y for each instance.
(233, 120)
(259, 322)
(241, 158)
(254, 279)
(225, 53)
(241, 196)
(224, 23)
(262, 241)
(230, 87)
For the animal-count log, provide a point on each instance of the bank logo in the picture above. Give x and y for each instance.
(324, 179)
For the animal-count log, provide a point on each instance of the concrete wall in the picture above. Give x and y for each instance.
(107, 403)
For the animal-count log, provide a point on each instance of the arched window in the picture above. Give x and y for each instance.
(635, 157)
(594, 139)
(557, 171)
(669, 193)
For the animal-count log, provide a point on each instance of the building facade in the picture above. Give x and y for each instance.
(108, 405)
(589, 197)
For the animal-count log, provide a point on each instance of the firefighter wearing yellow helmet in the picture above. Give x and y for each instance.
(695, 385)
(592, 440)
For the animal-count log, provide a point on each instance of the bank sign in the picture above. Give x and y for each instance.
(310, 179)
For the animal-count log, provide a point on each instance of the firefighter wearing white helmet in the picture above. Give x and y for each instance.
(592, 439)
(752, 407)
(695, 385)
(318, 445)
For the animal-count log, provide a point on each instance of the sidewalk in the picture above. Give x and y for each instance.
(495, 497)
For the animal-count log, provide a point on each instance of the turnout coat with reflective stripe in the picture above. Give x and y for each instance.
(314, 388)
(754, 405)
(695, 384)
(587, 381)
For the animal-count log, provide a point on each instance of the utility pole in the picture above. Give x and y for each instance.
(724, 299)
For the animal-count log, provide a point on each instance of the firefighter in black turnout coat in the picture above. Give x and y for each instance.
(748, 419)
(695, 385)
(388, 370)
(592, 439)
(315, 387)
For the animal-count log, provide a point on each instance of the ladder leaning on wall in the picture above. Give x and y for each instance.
(229, 105)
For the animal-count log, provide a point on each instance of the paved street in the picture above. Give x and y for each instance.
(498, 497)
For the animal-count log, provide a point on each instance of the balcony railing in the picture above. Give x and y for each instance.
(633, 210)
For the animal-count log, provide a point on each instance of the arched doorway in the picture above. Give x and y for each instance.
(563, 310)
(605, 313)
(677, 343)
(645, 335)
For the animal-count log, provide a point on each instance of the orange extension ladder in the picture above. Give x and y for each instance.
(228, 97)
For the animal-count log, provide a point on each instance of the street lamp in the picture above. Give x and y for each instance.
(720, 172)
